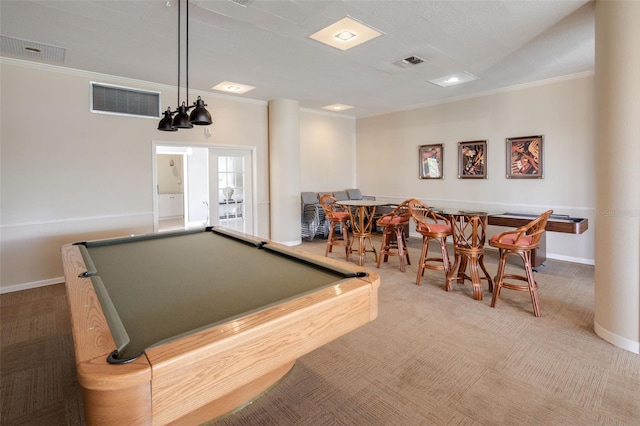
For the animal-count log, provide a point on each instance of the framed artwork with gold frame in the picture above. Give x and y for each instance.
(524, 157)
(431, 157)
(472, 159)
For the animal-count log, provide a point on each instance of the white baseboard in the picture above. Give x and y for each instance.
(34, 284)
(571, 259)
(558, 257)
(290, 243)
(614, 339)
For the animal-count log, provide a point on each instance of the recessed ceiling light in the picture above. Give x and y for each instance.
(453, 79)
(337, 107)
(230, 87)
(345, 34)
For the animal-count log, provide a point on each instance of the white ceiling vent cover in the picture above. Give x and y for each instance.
(244, 3)
(31, 49)
(110, 99)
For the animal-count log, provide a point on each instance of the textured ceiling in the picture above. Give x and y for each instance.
(265, 44)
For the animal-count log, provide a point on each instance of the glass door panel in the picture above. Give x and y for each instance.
(233, 197)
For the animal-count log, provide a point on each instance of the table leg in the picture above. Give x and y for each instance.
(361, 226)
(475, 278)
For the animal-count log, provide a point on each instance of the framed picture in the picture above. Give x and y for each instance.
(524, 157)
(430, 157)
(472, 160)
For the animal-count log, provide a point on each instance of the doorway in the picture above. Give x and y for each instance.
(196, 185)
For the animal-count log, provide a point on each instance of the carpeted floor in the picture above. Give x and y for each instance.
(430, 358)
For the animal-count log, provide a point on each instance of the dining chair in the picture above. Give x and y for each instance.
(394, 241)
(469, 234)
(340, 195)
(521, 242)
(338, 217)
(356, 194)
(433, 227)
(312, 216)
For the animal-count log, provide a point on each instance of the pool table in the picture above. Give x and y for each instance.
(184, 327)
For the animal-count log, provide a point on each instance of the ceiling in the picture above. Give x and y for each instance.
(266, 44)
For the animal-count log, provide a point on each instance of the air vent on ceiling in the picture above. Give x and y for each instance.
(31, 49)
(409, 61)
(244, 3)
(110, 99)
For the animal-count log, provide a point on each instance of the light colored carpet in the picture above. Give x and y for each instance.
(430, 358)
(442, 358)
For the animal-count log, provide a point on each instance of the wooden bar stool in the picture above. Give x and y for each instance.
(432, 227)
(521, 242)
(394, 241)
(469, 234)
(338, 217)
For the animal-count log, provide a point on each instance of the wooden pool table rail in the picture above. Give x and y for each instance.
(208, 373)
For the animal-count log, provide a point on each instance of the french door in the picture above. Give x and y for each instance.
(230, 189)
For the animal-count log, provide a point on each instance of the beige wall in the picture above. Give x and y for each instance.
(327, 152)
(169, 171)
(562, 111)
(69, 175)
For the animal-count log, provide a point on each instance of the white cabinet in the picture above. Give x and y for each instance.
(170, 205)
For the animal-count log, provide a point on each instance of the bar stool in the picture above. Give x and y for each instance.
(337, 216)
(520, 242)
(394, 241)
(469, 235)
(432, 227)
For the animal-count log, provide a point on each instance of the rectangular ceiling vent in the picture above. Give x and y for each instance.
(244, 3)
(110, 99)
(409, 62)
(31, 49)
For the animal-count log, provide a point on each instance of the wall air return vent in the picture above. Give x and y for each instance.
(110, 99)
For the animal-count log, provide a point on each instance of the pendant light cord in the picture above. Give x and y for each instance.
(187, 54)
(199, 116)
(179, 36)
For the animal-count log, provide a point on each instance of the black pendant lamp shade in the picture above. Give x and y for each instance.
(200, 116)
(181, 120)
(165, 124)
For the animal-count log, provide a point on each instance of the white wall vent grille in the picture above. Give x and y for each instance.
(110, 99)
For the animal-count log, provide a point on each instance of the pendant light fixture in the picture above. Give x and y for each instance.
(199, 116)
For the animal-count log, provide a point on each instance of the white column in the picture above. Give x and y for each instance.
(617, 227)
(284, 171)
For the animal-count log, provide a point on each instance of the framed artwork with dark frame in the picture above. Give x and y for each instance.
(431, 157)
(524, 157)
(472, 160)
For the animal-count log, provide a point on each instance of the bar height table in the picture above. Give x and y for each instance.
(469, 235)
(362, 219)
